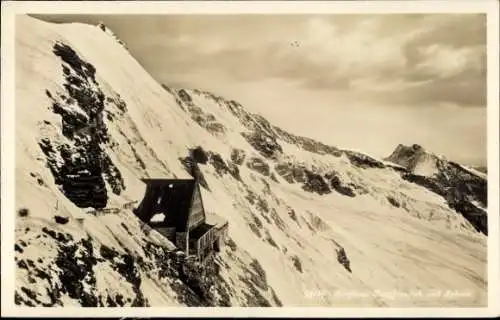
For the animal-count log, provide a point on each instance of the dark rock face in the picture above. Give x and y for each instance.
(102, 26)
(199, 155)
(255, 278)
(85, 166)
(363, 161)
(476, 216)
(426, 182)
(277, 220)
(460, 188)
(410, 156)
(343, 259)
(466, 183)
(291, 172)
(191, 166)
(285, 171)
(185, 96)
(296, 263)
(393, 202)
(259, 165)
(338, 185)
(265, 144)
(234, 171)
(293, 215)
(75, 271)
(299, 173)
(261, 136)
(196, 279)
(76, 262)
(204, 119)
(238, 156)
(258, 275)
(219, 164)
(315, 183)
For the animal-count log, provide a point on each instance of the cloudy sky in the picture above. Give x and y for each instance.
(366, 82)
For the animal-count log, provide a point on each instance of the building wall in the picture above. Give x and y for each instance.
(197, 214)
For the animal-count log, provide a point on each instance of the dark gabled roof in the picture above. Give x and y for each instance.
(175, 195)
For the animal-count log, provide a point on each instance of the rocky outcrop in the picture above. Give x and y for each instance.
(205, 119)
(285, 171)
(426, 182)
(343, 260)
(106, 29)
(393, 201)
(200, 284)
(363, 161)
(185, 97)
(192, 167)
(338, 185)
(77, 263)
(81, 166)
(219, 164)
(299, 173)
(467, 184)
(259, 165)
(265, 144)
(238, 156)
(291, 172)
(407, 157)
(234, 171)
(478, 217)
(199, 155)
(315, 183)
(307, 144)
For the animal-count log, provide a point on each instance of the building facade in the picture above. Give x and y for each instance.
(174, 207)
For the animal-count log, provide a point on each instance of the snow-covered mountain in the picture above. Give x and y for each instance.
(465, 189)
(91, 122)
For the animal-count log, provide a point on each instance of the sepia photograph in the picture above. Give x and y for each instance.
(249, 159)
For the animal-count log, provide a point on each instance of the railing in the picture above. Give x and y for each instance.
(206, 239)
(114, 210)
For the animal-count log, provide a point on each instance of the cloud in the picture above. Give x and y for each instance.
(404, 59)
(446, 62)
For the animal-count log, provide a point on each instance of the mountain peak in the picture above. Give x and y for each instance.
(415, 158)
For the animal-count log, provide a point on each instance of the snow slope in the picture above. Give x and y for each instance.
(291, 202)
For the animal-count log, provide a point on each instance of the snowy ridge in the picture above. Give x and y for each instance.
(110, 32)
(292, 203)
